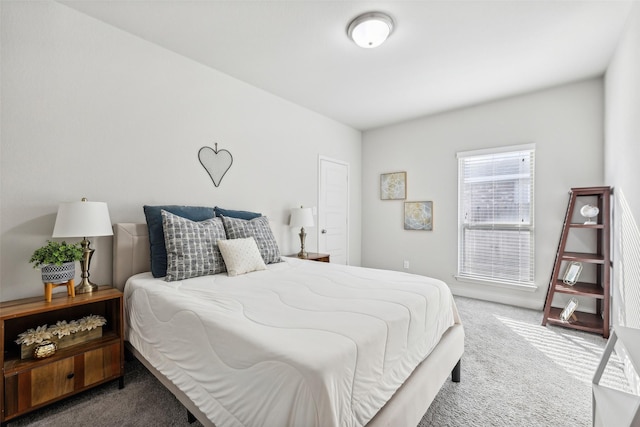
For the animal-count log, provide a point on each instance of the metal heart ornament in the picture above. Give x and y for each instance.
(215, 162)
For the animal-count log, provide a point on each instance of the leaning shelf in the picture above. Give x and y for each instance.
(580, 289)
(587, 322)
(598, 256)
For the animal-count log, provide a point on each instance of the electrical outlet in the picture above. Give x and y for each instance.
(406, 264)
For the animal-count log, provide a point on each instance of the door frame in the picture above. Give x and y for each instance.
(322, 158)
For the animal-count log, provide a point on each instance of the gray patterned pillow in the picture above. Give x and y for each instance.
(259, 229)
(192, 248)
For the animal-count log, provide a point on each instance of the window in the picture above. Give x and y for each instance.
(495, 215)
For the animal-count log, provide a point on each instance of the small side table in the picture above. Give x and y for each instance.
(313, 256)
(613, 407)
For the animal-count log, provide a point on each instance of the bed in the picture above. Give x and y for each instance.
(228, 349)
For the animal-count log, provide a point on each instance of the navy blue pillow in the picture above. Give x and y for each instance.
(236, 214)
(156, 233)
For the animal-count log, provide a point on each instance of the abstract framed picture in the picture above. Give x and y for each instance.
(393, 186)
(418, 216)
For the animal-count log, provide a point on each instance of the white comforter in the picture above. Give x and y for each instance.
(299, 344)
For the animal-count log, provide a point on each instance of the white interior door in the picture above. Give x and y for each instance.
(333, 209)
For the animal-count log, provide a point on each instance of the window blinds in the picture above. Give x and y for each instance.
(496, 215)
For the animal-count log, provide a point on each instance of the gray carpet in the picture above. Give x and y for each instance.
(514, 373)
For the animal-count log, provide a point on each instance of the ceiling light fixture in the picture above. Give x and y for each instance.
(370, 29)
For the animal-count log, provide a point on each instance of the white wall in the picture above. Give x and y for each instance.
(565, 123)
(91, 111)
(622, 154)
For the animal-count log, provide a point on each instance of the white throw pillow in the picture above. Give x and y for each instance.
(241, 256)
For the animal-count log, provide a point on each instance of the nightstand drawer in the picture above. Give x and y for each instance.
(48, 382)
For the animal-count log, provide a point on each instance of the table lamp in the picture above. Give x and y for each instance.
(301, 217)
(83, 219)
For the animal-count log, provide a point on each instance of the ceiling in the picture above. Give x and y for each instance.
(442, 55)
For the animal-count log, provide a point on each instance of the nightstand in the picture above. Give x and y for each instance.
(313, 256)
(30, 383)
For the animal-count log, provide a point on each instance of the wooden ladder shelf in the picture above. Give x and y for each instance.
(600, 257)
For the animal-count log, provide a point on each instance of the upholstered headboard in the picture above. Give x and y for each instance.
(130, 251)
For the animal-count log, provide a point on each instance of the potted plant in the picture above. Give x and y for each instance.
(57, 261)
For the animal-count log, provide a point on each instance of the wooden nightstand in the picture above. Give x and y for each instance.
(28, 384)
(313, 256)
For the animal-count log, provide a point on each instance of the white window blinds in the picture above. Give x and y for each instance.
(495, 215)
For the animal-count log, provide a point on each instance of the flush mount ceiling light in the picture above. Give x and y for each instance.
(370, 29)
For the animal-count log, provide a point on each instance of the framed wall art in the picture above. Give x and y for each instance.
(568, 313)
(418, 216)
(393, 186)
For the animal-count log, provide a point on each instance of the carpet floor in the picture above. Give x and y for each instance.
(514, 373)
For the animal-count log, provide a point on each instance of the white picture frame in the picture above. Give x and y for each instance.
(572, 273)
(569, 309)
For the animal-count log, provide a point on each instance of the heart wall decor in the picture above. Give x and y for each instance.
(215, 162)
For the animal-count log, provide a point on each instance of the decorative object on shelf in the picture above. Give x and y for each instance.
(567, 314)
(393, 186)
(370, 29)
(57, 263)
(418, 216)
(34, 336)
(44, 349)
(55, 274)
(589, 212)
(215, 162)
(63, 334)
(301, 217)
(572, 273)
(83, 219)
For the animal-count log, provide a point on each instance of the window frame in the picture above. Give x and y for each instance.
(466, 276)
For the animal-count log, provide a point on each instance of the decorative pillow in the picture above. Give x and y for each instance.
(236, 214)
(156, 233)
(259, 229)
(241, 256)
(192, 248)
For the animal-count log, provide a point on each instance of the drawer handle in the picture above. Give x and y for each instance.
(69, 376)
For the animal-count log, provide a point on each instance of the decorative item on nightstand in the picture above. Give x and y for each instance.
(44, 349)
(83, 219)
(57, 263)
(301, 217)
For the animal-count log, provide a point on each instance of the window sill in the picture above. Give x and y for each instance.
(519, 286)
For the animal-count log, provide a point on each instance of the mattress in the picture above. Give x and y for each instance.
(299, 344)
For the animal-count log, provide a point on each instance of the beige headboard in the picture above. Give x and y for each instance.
(130, 251)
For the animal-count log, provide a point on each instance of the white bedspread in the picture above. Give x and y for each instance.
(300, 344)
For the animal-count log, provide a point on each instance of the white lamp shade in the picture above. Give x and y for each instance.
(301, 217)
(82, 219)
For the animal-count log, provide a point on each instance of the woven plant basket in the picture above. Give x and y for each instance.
(55, 274)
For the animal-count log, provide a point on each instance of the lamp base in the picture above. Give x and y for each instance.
(86, 287)
(302, 253)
